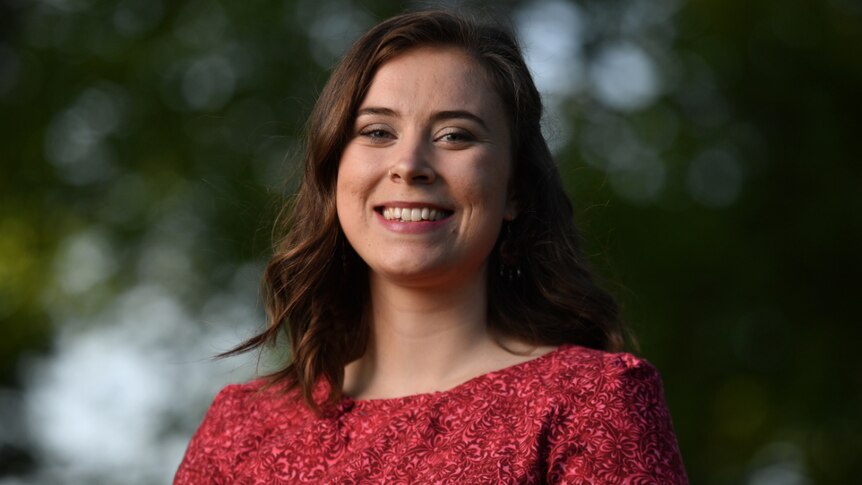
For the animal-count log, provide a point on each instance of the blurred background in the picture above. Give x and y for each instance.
(711, 148)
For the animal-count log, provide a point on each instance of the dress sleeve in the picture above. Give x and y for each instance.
(620, 433)
(208, 454)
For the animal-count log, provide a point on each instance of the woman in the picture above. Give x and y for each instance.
(443, 326)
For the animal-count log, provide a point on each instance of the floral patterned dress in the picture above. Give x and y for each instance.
(573, 415)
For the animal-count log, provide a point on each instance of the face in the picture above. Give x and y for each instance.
(423, 183)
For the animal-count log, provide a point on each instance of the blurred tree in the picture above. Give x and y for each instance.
(740, 275)
(710, 148)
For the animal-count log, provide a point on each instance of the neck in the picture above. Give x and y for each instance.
(422, 339)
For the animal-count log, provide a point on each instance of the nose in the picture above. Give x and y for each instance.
(411, 164)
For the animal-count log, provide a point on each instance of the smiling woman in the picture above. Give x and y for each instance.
(442, 324)
(422, 144)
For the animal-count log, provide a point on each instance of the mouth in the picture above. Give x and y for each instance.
(413, 214)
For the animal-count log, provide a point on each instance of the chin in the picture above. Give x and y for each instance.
(409, 273)
(429, 275)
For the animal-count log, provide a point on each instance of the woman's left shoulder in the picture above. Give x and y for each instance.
(581, 370)
(610, 401)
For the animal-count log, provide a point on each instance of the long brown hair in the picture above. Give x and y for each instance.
(315, 285)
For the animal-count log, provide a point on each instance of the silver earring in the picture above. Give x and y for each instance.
(509, 267)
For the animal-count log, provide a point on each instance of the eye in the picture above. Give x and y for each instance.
(377, 134)
(456, 137)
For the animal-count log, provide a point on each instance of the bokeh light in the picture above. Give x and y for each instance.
(148, 146)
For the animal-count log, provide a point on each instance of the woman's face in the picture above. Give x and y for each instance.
(423, 183)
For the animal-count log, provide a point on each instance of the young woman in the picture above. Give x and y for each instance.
(442, 324)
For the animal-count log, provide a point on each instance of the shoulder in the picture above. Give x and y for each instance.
(232, 408)
(235, 395)
(577, 357)
(612, 422)
(573, 372)
(236, 401)
(251, 402)
(597, 388)
(239, 414)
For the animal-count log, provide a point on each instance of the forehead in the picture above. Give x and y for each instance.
(433, 78)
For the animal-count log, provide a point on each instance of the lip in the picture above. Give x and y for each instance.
(420, 227)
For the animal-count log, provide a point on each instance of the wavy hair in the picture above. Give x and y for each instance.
(316, 287)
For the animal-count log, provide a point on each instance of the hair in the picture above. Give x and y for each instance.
(540, 289)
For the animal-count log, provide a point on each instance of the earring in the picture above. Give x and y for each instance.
(509, 267)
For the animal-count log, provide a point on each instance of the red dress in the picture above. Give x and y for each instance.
(573, 415)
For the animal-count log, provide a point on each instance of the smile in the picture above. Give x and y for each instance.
(413, 214)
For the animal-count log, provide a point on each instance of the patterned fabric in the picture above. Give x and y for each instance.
(573, 415)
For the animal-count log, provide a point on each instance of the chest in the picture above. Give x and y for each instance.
(400, 446)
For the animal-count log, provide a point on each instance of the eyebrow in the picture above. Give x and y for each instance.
(438, 116)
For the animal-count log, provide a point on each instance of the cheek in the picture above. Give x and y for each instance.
(489, 184)
(346, 208)
(354, 184)
(344, 195)
(347, 179)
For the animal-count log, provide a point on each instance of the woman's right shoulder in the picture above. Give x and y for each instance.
(231, 406)
(249, 398)
(239, 392)
(238, 414)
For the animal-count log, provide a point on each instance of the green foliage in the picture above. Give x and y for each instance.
(151, 129)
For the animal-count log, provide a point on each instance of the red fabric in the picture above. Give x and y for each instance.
(574, 415)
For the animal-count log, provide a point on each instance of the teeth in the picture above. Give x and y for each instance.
(412, 214)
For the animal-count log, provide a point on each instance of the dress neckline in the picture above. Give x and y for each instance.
(347, 401)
